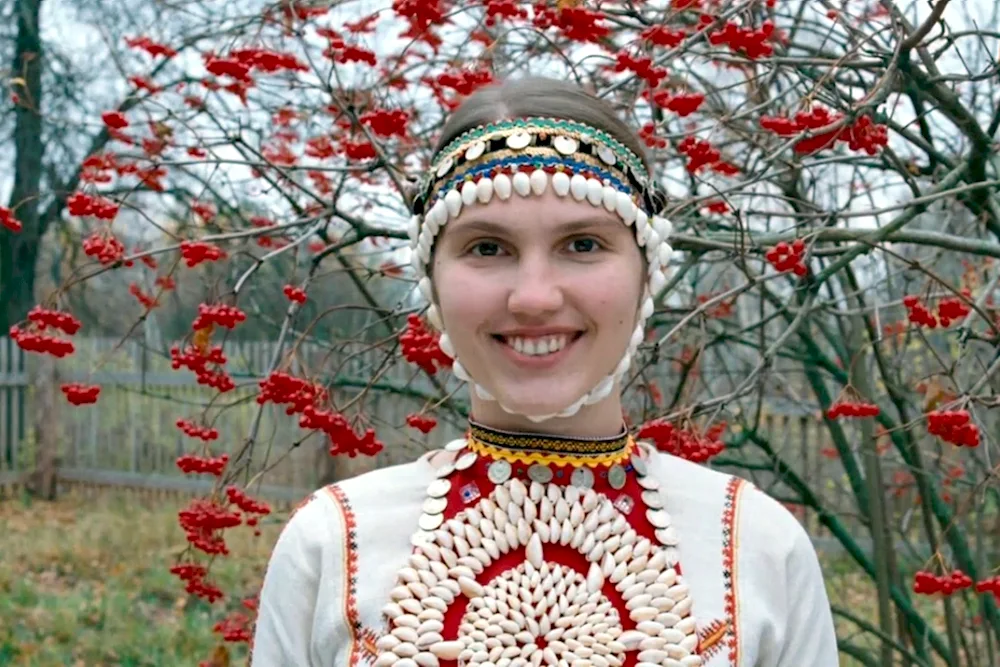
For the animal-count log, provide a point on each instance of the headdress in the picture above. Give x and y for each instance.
(524, 157)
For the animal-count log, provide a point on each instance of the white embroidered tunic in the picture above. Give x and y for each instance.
(756, 593)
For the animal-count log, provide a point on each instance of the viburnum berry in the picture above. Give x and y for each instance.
(953, 426)
(203, 522)
(146, 300)
(421, 423)
(8, 220)
(991, 585)
(114, 120)
(343, 439)
(198, 360)
(219, 313)
(193, 576)
(41, 343)
(386, 123)
(45, 318)
(295, 294)
(953, 308)
(105, 247)
(687, 443)
(249, 505)
(82, 205)
(925, 583)
(201, 432)
(193, 463)
(784, 257)
(684, 104)
(235, 628)
(420, 347)
(849, 409)
(80, 394)
(195, 252)
(296, 393)
(918, 313)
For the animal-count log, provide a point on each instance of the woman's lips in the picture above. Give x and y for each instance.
(541, 361)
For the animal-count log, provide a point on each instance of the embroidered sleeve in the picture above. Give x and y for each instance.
(288, 600)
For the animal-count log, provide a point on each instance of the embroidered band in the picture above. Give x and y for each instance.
(549, 444)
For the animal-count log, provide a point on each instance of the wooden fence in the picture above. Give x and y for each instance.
(130, 437)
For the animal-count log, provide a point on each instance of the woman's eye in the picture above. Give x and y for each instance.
(485, 249)
(585, 244)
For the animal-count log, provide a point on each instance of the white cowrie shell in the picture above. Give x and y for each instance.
(560, 183)
(606, 154)
(459, 371)
(623, 365)
(664, 253)
(413, 228)
(444, 167)
(657, 282)
(610, 199)
(444, 342)
(453, 200)
(469, 194)
(634, 343)
(518, 140)
(522, 183)
(653, 241)
(475, 150)
(425, 288)
(595, 192)
(578, 187)
(642, 233)
(484, 190)
(641, 219)
(565, 145)
(424, 253)
(647, 308)
(539, 179)
(663, 226)
(502, 187)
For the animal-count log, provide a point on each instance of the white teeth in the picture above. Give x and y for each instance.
(536, 347)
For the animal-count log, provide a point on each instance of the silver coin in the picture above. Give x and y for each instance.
(616, 476)
(539, 473)
(658, 518)
(430, 521)
(639, 464)
(667, 536)
(648, 483)
(498, 472)
(582, 477)
(652, 499)
(439, 488)
(465, 461)
(446, 470)
(456, 445)
(435, 505)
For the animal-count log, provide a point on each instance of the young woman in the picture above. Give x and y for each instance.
(547, 536)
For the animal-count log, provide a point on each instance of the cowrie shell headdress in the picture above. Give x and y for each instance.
(524, 157)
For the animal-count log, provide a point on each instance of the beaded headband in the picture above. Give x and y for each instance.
(524, 156)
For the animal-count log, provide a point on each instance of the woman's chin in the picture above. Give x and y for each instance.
(539, 402)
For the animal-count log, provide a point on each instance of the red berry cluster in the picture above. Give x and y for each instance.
(991, 585)
(953, 308)
(848, 409)
(238, 497)
(194, 464)
(218, 313)
(386, 123)
(684, 104)
(751, 41)
(193, 577)
(147, 301)
(687, 443)
(784, 257)
(925, 583)
(953, 426)
(235, 628)
(194, 431)
(81, 204)
(45, 318)
(700, 153)
(198, 362)
(918, 313)
(298, 394)
(420, 347)
(296, 294)
(861, 135)
(577, 24)
(661, 35)
(203, 520)
(195, 252)
(105, 247)
(421, 423)
(648, 134)
(343, 439)
(114, 119)
(8, 220)
(503, 9)
(641, 66)
(80, 394)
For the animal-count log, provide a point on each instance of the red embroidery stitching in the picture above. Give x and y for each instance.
(710, 638)
(730, 544)
(362, 638)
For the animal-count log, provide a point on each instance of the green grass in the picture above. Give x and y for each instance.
(87, 583)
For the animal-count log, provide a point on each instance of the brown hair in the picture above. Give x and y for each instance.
(534, 97)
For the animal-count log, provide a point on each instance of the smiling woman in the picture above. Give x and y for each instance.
(547, 535)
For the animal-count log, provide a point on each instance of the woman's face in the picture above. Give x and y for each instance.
(539, 296)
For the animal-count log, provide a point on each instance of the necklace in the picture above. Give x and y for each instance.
(541, 550)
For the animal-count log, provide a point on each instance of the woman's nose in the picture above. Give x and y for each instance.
(536, 290)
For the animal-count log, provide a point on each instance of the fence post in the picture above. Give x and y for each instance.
(43, 479)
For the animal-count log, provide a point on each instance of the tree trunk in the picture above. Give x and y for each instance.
(19, 252)
(42, 482)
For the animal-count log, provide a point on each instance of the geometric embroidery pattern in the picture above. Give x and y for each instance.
(730, 572)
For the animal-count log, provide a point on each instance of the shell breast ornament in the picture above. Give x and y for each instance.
(531, 549)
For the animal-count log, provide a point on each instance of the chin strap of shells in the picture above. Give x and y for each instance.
(525, 157)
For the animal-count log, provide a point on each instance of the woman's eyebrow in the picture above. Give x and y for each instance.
(493, 227)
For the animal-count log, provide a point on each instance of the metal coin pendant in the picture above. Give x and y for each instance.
(430, 521)
(658, 518)
(652, 499)
(583, 478)
(456, 445)
(540, 473)
(439, 488)
(435, 505)
(446, 470)
(498, 472)
(616, 476)
(639, 464)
